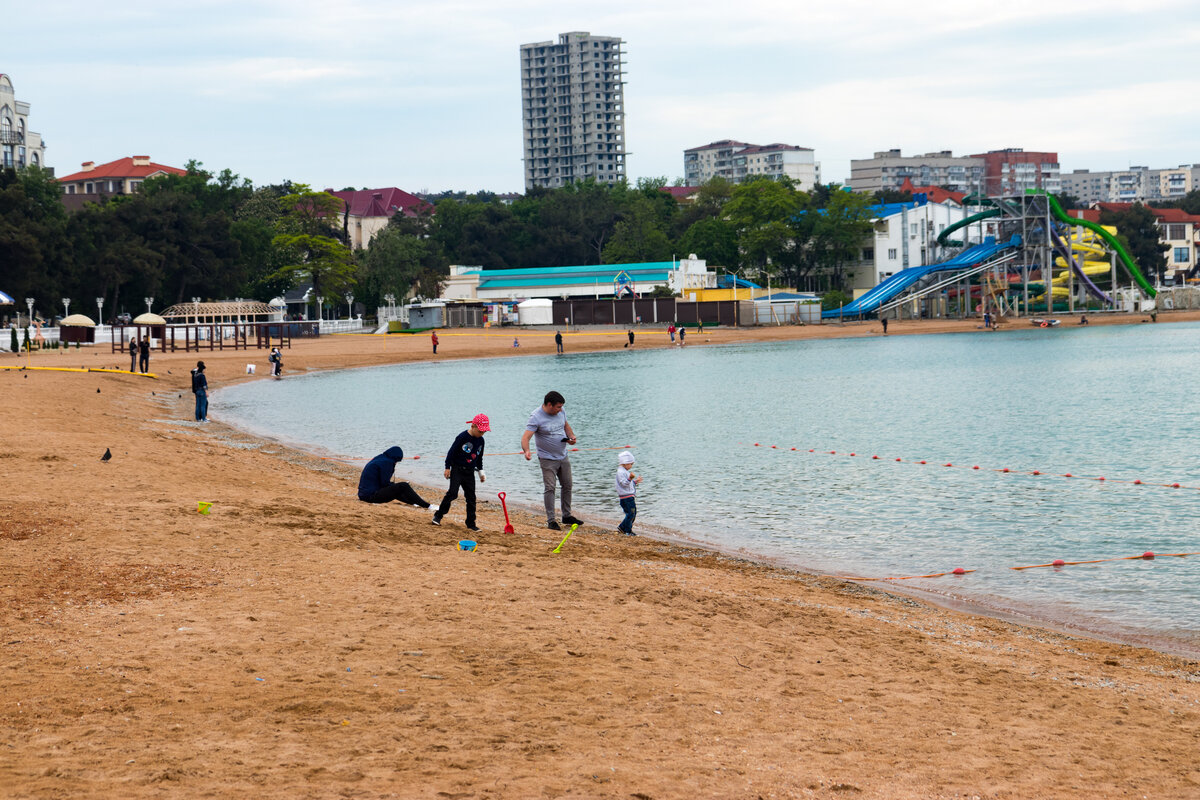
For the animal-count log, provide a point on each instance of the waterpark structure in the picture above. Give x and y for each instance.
(1019, 255)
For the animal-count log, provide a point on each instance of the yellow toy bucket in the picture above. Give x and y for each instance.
(203, 507)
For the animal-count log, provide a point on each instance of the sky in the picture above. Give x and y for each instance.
(426, 95)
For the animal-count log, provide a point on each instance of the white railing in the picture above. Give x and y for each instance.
(354, 325)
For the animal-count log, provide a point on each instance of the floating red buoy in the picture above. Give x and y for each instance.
(1100, 478)
(947, 465)
(1005, 469)
(793, 448)
(874, 458)
(920, 462)
(756, 444)
(773, 447)
(1058, 562)
(833, 452)
(1137, 482)
(415, 458)
(1068, 475)
(852, 454)
(1148, 555)
(959, 571)
(1035, 472)
(1174, 485)
(899, 459)
(975, 467)
(811, 450)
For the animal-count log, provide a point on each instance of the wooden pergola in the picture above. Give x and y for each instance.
(216, 326)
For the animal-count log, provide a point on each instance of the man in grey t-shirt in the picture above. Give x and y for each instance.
(548, 426)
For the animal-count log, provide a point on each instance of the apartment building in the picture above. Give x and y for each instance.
(889, 169)
(573, 110)
(738, 161)
(1013, 170)
(1008, 171)
(1133, 185)
(19, 146)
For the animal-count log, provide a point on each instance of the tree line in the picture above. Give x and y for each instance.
(217, 236)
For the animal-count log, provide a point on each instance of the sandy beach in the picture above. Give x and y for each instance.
(297, 643)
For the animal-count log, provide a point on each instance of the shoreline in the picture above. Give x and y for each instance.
(298, 643)
(1008, 609)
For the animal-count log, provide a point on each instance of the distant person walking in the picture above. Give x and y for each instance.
(671, 332)
(144, 354)
(558, 341)
(630, 338)
(682, 336)
(276, 359)
(200, 389)
(133, 354)
(553, 433)
(463, 460)
(375, 484)
(433, 338)
(883, 321)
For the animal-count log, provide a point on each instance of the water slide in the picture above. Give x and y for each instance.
(1108, 238)
(962, 223)
(906, 278)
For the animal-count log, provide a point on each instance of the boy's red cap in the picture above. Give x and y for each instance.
(481, 421)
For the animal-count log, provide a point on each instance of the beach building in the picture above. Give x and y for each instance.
(19, 146)
(123, 176)
(1013, 170)
(1178, 230)
(605, 280)
(573, 110)
(370, 210)
(739, 161)
(905, 236)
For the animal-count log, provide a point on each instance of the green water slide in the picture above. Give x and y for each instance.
(1108, 238)
(962, 223)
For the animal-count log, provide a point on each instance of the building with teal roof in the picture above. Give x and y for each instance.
(476, 283)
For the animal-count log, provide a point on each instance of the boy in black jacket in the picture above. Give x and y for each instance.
(462, 462)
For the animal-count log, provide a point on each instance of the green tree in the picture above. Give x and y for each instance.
(308, 238)
(762, 212)
(838, 232)
(712, 239)
(638, 236)
(391, 265)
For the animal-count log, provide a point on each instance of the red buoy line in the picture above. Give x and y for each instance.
(517, 453)
(1003, 470)
(1058, 562)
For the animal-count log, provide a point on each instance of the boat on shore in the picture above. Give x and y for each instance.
(1039, 322)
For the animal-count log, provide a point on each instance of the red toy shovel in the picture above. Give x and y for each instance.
(508, 528)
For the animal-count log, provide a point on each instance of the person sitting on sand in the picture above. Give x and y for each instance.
(375, 484)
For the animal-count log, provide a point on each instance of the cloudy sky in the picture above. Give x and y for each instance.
(426, 95)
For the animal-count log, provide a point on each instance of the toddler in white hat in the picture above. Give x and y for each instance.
(627, 484)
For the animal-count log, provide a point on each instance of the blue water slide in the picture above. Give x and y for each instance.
(906, 278)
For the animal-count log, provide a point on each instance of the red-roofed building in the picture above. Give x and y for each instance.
(372, 209)
(1177, 229)
(682, 194)
(123, 176)
(935, 194)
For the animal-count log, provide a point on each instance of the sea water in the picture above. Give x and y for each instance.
(723, 437)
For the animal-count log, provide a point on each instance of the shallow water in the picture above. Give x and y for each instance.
(1112, 401)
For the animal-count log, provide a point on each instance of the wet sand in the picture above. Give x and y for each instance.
(298, 643)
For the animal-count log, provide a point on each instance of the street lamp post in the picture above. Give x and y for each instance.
(149, 303)
(320, 310)
(66, 301)
(350, 303)
(29, 303)
(100, 308)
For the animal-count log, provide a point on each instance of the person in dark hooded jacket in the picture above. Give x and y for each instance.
(375, 484)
